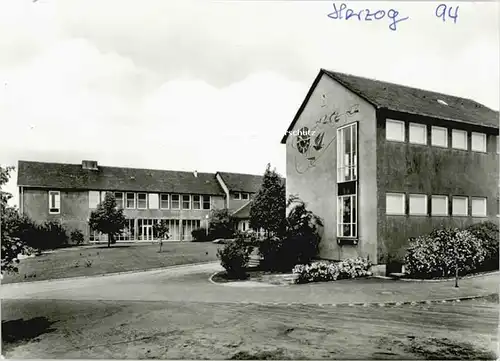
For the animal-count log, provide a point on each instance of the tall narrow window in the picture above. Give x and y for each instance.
(347, 153)
(93, 199)
(186, 201)
(346, 219)
(206, 202)
(459, 139)
(153, 201)
(164, 201)
(418, 133)
(175, 201)
(439, 137)
(196, 201)
(395, 130)
(130, 200)
(54, 202)
(119, 199)
(142, 201)
(478, 142)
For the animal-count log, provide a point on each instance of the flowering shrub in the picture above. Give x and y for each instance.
(487, 233)
(329, 271)
(437, 254)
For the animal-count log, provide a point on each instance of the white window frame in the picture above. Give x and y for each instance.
(433, 140)
(146, 196)
(485, 210)
(484, 147)
(153, 201)
(172, 201)
(93, 197)
(193, 202)
(466, 206)
(245, 196)
(414, 126)
(403, 212)
(353, 220)
(393, 121)
(455, 132)
(126, 200)
(237, 196)
(415, 195)
(352, 156)
(189, 202)
(203, 203)
(57, 201)
(433, 211)
(168, 201)
(123, 199)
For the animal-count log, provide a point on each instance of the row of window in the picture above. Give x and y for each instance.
(418, 204)
(395, 131)
(131, 200)
(241, 196)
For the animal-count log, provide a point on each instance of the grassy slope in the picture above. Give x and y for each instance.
(102, 260)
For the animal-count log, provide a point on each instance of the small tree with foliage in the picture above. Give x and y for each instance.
(161, 230)
(107, 218)
(221, 224)
(268, 207)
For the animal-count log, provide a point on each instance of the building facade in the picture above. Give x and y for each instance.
(382, 162)
(69, 192)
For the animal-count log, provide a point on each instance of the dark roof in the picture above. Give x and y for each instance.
(242, 212)
(410, 100)
(238, 182)
(73, 176)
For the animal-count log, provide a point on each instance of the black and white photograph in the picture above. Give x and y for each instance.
(249, 179)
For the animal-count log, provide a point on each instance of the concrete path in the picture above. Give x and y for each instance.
(191, 284)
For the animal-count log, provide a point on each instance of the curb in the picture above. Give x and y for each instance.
(483, 274)
(109, 274)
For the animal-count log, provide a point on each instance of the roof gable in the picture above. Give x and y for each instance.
(238, 182)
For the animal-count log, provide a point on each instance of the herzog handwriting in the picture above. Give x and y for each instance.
(345, 13)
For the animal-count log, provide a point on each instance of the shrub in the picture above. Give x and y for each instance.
(487, 233)
(436, 255)
(221, 224)
(327, 271)
(199, 235)
(77, 237)
(300, 243)
(52, 236)
(234, 257)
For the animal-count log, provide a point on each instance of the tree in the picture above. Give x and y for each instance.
(268, 207)
(221, 224)
(107, 218)
(161, 230)
(11, 246)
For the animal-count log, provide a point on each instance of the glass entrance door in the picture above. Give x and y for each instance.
(147, 232)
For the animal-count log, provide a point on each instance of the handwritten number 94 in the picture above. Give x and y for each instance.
(443, 11)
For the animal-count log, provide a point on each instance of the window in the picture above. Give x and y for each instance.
(236, 196)
(93, 199)
(206, 202)
(459, 139)
(459, 206)
(130, 200)
(54, 202)
(395, 203)
(439, 205)
(119, 199)
(175, 201)
(395, 130)
(142, 201)
(439, 137)
(196, 202)
(478, 142)
(164, 201)
(103, 196)
(478, 207)
(244, 196)
(186, 202)
(418, 133)
(346, 220)
(347, 153)
(418, 204)
(153, 200)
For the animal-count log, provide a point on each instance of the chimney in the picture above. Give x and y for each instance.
(195, 174)
(89, 164)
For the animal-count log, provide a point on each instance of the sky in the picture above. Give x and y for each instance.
(211, 85)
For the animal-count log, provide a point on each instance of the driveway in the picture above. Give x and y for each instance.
(191, 284)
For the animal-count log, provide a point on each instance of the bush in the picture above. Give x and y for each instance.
(300, 243)
(53, 235)
(434, 255)
(199, 235)
(327, 271)
(221, 224)
(234, 257)
(487, 233)
(77, 237)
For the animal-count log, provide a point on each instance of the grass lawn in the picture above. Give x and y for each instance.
(60, 329)
(101, 260)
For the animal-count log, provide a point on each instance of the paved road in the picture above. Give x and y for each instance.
(191, 284)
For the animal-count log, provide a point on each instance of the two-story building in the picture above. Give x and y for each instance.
(382, 162)
(69, 192)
